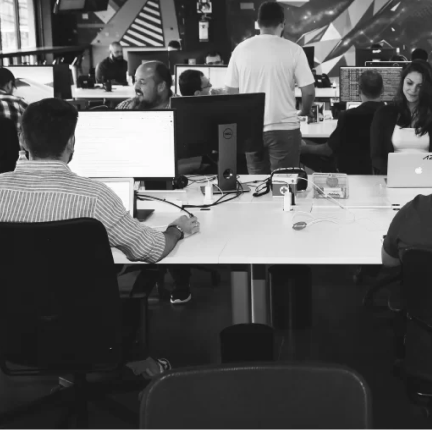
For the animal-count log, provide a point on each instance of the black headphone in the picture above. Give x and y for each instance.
(180, 182)
(301, 184)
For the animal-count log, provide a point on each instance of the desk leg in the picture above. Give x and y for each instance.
(259, 294)
(249, 294)
(240, 294)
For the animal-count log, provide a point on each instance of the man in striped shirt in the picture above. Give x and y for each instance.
(153, 83)
(11, 107)
(44, 188)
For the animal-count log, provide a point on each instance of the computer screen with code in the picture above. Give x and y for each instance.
(349, 79)
(125, 144)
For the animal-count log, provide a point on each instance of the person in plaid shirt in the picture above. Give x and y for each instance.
(11, 107)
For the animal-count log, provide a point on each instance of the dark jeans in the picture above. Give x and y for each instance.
(281, 149)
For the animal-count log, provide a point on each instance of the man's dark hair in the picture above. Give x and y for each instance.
(213, 54)
(270, 14)
(419, 54)
(424, 106)
(190, 81)
(371, 84)
(175, 44)
(5, 77)
(47, 126)
(163, 74)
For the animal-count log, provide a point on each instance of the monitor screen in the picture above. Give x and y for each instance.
(124, 189)
(402, 64)
(121, 143)
(349, 78)
(71, 5)
(198, 118)
(310, 55)
(216, 74)
(33, 83)
(368, 54)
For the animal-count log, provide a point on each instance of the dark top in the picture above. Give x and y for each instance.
(9, 148)
(350, 141)
(381, 136)
(412, 226)
(113, 70)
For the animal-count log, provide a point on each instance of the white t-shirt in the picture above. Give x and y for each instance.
(271, 65)
(406, 140)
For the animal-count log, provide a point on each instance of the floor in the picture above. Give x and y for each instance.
(343, 331)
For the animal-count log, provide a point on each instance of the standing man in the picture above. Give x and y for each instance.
(114, 67)
(271, 64)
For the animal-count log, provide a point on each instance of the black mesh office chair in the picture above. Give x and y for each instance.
(416, 367)
(60, 310)
(9, 147)
(261, 395)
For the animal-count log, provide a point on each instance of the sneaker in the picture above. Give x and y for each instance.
(180, 297)
(164, 364)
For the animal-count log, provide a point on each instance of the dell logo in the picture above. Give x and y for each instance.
(228, 133)
(428, 157)
(419, 170)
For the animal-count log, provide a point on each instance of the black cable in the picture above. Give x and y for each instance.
(146, 197)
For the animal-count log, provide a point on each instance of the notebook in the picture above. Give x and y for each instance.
(409, 170)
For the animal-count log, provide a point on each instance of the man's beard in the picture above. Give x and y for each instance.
(120, 58)
(144, 104)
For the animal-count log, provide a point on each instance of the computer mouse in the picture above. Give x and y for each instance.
(299, 225)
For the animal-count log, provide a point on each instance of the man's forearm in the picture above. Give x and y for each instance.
(172, 236)
(307, 101)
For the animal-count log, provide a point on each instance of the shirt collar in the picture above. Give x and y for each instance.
(41, 166)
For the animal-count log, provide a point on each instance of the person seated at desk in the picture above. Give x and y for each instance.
(194, 83)
(419, 54)
(114, 67)
(153, 83)
(350, 141)
(214, 58)
(153, 91)
(406, 124)
(11, 107)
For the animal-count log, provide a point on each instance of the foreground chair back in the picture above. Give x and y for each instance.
(273, 395)
(9, 148)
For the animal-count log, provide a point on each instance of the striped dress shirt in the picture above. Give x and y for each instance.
(42, 191)
(12, 107)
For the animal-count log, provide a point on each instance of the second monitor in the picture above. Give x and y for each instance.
(229, 124)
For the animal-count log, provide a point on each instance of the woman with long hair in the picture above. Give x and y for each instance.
(406, 124)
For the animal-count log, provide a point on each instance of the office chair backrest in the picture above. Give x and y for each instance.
(59, 298)
(353, 157)
(417, 300)
(262, 395)
(9, 147)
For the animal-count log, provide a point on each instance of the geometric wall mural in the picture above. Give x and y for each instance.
(147, 29)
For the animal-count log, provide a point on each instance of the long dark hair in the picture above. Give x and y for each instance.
(424, 107)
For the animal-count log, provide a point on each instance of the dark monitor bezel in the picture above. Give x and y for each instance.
(402, 64)
(202, 106)
(146, 178)
(359, 51)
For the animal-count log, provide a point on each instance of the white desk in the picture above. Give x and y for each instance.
(250, 233)
(316, 130)
(118, 92)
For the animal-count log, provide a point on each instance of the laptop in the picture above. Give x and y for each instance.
(124, 188)
(409, 170)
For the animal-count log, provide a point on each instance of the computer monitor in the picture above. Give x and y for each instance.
(35, 83)
(368, 54)
(310, 55)
(229, 124)
(215, 73)
(402, 64)
(349, 78)
(124, 189)
(122, 143)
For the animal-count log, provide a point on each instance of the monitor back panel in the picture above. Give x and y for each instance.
(409, 170)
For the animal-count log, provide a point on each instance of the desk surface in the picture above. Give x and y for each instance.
(317, 130)
(256, 230)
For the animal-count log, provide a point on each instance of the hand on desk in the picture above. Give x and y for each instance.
(188, 225)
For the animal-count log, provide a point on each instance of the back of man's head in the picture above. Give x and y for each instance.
(371, 84)
(162, 74)
(270, 14)
(6, 76)
(419, 54)
(190, 81)
(47, 126)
